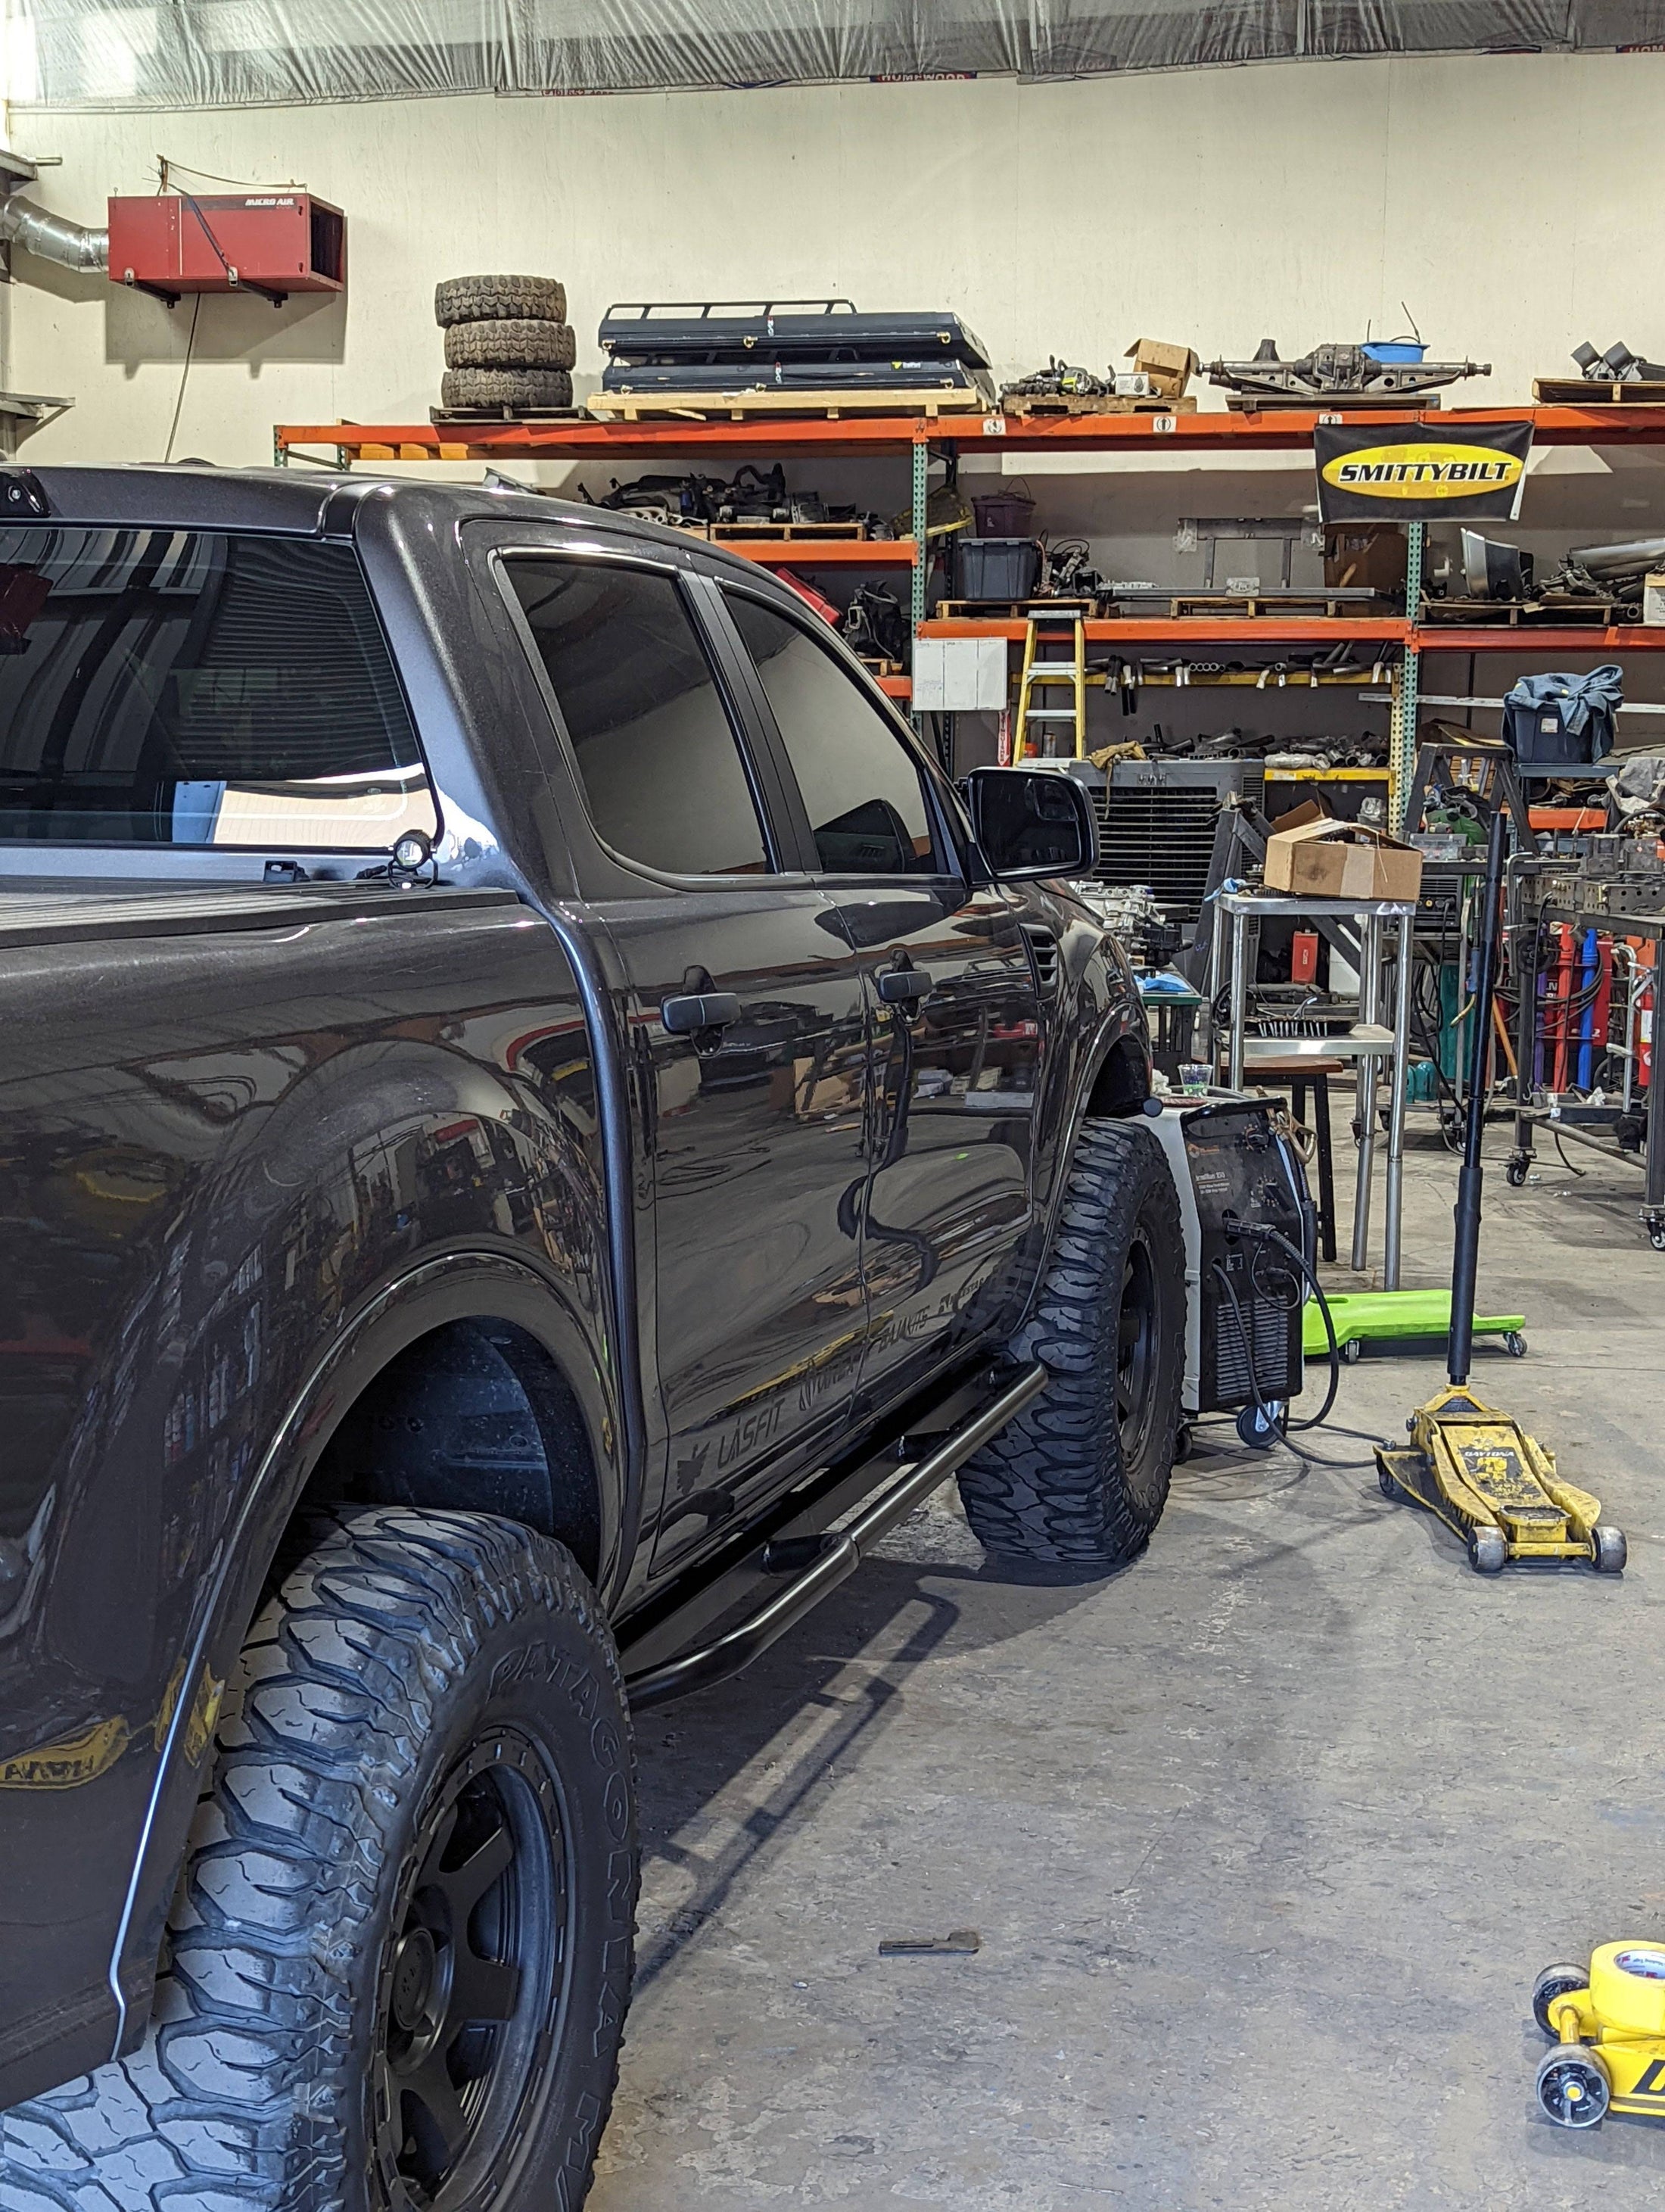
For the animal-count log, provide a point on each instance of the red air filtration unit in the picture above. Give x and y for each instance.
(273, 243)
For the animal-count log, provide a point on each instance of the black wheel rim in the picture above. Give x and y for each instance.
(469, 1997)
(1138, 1342)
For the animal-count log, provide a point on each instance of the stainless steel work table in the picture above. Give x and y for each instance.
(1239, 909)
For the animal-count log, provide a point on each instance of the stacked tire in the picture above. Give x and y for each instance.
(508, 346)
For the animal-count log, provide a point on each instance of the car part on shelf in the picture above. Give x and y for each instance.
(755, 374)
(1205, 533)
(1058, 381)
(1068, 569)
(874, 625)
(825, 331)
(1358, 374)
(1618, 365)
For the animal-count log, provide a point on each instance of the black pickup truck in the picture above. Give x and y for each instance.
(535, 1123)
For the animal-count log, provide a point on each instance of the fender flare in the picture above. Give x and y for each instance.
(1112, 1031)
(464, 1285)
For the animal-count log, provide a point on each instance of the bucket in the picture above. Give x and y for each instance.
(1004, 514)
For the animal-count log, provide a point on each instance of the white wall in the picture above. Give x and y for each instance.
(1505, 198)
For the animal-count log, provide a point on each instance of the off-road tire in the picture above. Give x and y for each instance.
(499, 299)
(1062, 1484)
(406, 1651)
(517, 389)
(519, 344)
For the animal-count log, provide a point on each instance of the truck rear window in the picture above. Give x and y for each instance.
(172, 687)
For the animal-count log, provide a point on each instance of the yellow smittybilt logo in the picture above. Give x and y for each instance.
(1432, 471)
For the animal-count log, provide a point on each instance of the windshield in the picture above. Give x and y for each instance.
(172, 687)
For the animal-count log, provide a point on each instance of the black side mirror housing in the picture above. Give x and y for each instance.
(1032, 822)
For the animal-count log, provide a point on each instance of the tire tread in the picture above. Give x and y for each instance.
(498, 299)
(1051, 1488)
(230, 2104)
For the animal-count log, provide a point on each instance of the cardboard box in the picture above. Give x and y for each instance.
(1371, 554)
(1315, 857)
(1653, 601)
(1170, 367)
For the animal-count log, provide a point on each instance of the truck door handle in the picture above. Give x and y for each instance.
(703, 1010)
(903, 987)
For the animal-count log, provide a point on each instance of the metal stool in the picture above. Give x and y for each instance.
(1299, 1074)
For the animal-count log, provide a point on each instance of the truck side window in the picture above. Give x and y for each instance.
(661, 766)
(187, 688)
(866, 801)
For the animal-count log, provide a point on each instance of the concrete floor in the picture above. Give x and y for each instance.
(1265, 1838)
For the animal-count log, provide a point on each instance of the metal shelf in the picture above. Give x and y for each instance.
(920, 438)
(1577, 637)
(1250, 630)
(1218, 430)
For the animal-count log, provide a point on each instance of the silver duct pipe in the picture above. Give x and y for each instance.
(53, 237)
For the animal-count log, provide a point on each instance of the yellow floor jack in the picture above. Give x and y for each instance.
(1472, 1467)
(1607, 2022)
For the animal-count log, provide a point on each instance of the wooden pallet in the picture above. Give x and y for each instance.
(740, 406)
(1025, 404)
(1520, 614)
(846, 533)
(443, 417)
(1008, 610)
(1196, 606)
(1583, 392)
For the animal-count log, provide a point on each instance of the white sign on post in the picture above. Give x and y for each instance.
(959, 675)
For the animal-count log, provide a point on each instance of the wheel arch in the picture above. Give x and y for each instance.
(366, 1371)
(1119, 1082)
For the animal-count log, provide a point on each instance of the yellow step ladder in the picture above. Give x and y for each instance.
(1048, 671)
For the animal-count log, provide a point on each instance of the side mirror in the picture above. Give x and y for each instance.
(1032, 822)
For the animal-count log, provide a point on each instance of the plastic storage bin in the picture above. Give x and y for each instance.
(996, 568)
(1543, 745)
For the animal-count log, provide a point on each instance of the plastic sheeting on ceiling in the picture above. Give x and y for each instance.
(212, 53)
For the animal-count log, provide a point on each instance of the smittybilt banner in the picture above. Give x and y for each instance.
(1417, 472)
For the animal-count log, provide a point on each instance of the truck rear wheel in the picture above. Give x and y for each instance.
(400, 1958)
(1080, 1478)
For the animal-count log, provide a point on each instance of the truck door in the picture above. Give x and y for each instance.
(953, 1008)
(749, 1024)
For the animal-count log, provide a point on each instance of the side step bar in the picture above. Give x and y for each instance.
(836, 1558)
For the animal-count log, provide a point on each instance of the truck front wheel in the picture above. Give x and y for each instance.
(399, 1959)
(1079, 1480)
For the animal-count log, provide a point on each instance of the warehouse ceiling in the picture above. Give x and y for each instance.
(210, 53)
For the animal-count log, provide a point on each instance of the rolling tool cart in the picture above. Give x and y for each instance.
(1472, 1466)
